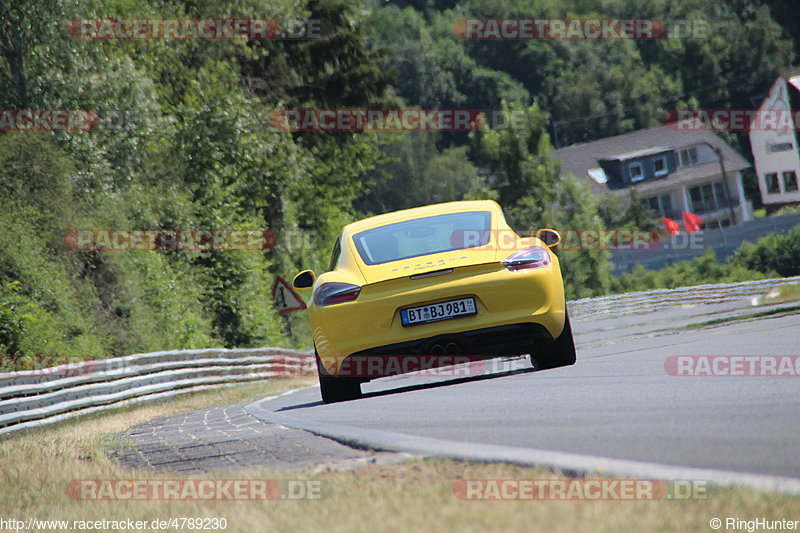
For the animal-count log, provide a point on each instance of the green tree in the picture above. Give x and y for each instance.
(417, 174)
(24, 25)
(535, 196)
(518, 158)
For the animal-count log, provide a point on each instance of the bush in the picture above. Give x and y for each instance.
(698, 271)
(779, 252)
(12, 325)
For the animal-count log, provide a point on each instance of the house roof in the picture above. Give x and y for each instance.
(640, 153)
(579, 158)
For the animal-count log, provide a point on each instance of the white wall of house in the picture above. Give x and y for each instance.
(745, 212)
(776, 151)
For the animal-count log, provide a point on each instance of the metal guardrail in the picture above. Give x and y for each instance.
(660, 299)
(36, 397)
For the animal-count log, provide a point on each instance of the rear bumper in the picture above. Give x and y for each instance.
(436, 351)
(533, 298)
(511, 339)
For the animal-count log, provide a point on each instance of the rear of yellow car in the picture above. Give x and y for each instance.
(444, 280)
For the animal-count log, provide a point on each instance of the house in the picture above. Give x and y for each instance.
(774, 142)
(671, 169)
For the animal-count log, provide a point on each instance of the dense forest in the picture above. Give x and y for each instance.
(183, 139)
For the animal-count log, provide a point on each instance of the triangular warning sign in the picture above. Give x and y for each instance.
(285, 298)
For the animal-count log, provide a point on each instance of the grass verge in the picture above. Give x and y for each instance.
(771, 313)
(37, 466)
(787, 293)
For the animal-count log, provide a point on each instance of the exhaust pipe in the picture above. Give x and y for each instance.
(437, 349)
(452, 349)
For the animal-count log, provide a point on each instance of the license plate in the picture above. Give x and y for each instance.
(436, 312)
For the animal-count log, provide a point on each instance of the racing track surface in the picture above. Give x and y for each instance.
(618, 401)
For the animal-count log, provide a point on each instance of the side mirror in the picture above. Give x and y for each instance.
(304, 280)
(549, 236)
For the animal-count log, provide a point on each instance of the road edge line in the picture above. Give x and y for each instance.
(585, 464)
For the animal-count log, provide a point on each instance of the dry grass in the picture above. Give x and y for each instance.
(787, 293)
(36, 467)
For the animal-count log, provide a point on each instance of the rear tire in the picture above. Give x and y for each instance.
(335, 389)
(560, 352)
(339, 389)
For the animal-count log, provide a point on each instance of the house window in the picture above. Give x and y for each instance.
(708, 197)
(660, 165)
(773, 186)
(661, 205)
(688, 157)
(719, 194)
(780, 147)
(636, 171)
(789, 181)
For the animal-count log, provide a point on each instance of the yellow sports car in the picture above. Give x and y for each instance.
(441, 280)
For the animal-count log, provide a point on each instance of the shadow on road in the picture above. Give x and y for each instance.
(419, 386)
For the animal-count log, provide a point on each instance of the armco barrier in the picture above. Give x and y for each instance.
(36, 397)
(656, 300)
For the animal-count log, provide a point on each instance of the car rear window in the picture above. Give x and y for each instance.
(423, 236)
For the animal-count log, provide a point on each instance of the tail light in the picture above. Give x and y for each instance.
(533, 257)
(335, 292)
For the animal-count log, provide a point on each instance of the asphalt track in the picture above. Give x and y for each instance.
(617, 403)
